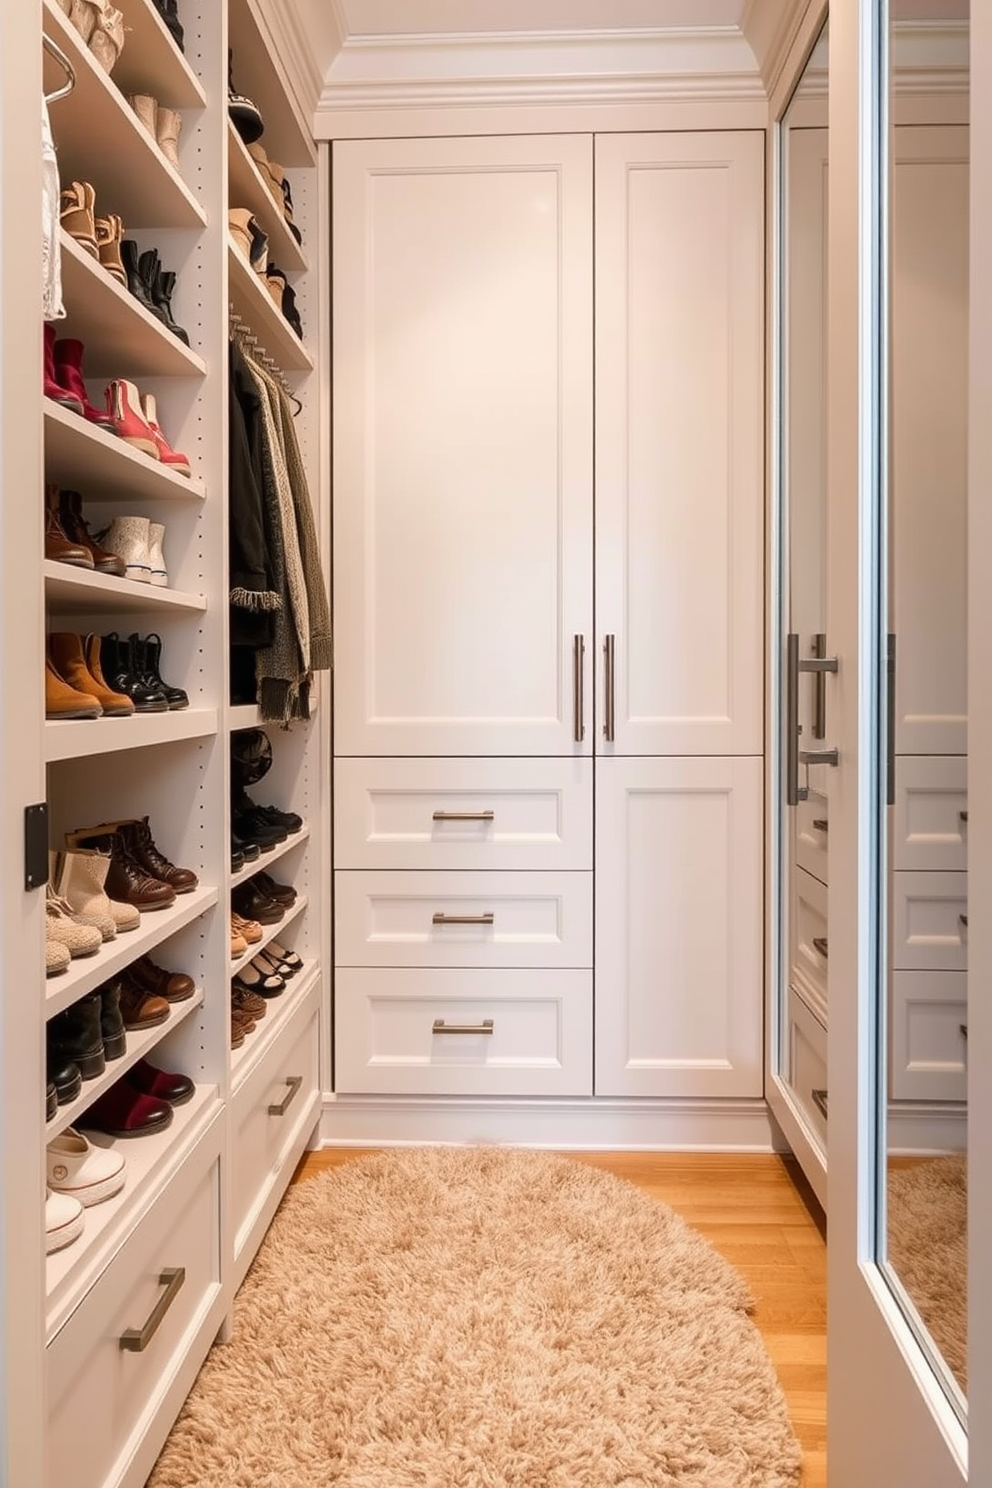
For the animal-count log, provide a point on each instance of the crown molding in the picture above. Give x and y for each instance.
(461, 71)
(306, 36)
(771, 28)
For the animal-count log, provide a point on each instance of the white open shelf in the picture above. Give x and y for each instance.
(264, 861)
(81, 457)
(267, 1029)
(152, 63)
(151, 1161)
(80, 738)
(100, 140)
(140, 1042)
(68, 589)
(287, 136)
(87, 972)
(121, 337)
(252, 301)
(271, 932)
(247, 188)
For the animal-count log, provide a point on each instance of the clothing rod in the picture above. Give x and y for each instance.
(244, 333)
(54, 50)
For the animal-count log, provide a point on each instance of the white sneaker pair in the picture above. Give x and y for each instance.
(138, 542)
(78, 1170)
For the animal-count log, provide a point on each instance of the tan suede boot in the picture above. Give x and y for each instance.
(167, 130)
(76, 214)
(146, 108)
(63, 701)
(80, 877)
(70, 662)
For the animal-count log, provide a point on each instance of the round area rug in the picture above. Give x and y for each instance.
(482, 1317)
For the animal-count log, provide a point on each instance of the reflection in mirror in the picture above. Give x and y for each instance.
(802, 1013)
(926, 1116)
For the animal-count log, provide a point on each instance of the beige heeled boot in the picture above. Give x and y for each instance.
(167, 130)
(107, 39)
(146, 108)
(80, 877)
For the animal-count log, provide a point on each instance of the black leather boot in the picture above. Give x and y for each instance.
(75, 1035)
(111, 1022)
(118, 664)
(169, 12)
(136, 283)
(148, 659)
(162, 288)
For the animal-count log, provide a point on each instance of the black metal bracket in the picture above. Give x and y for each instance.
(36, 845)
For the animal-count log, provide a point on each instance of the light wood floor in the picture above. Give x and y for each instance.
(753, 1210)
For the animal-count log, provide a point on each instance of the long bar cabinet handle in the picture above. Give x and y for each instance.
(136, 1340)
(294, 1082)
(486, 1026)
(578, 688)
(440, 918)
(480, 816)
(610, 686)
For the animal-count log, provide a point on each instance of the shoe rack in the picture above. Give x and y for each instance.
(200, 1194)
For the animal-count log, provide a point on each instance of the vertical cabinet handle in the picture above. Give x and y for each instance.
(609, 680)
(578, 685)
(794, 792)
(136, 1340)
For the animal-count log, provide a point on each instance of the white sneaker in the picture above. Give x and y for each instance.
(82, 1171)
(63, 1220)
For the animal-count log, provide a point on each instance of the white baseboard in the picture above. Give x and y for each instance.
(613, 1125)
(916, 1129)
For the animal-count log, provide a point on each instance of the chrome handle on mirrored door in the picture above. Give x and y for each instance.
(609, 688)
(795, 665)
(578, 688)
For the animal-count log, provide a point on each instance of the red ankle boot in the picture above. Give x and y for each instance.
(173, 458)
(68, 359)
(124, 408)
(52, 388)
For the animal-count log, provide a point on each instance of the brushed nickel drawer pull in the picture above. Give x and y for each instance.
(963, 920)
(610, 688)
(483, 816)
(294, 1082)
(819, 757)
(820, 944)
(964, 1029)
(486, 1026)
(820, 1100)
(440, 918)
(136, 1340)
(578, 688)
(962, 816)
(820, 824)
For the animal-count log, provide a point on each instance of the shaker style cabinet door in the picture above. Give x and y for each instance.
(462, 330)
(679, 443)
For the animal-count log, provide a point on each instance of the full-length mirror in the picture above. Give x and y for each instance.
(926, 882)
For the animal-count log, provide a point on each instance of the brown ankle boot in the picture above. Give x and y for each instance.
(63, 701)
(69, 660)
(59, 547)
(76, 529)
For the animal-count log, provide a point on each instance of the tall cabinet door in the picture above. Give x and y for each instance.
(463, 348)
(678, 927)
(679, 462)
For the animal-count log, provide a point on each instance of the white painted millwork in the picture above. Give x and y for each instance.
(678, 927)
(463, 437)
(930, 819)
(809, 943)
(463, 813)
(929, 1035)
(930, 921)
(538, 1040)
(679, 459)
(463, 919)
(807, 1048)
(811, 825)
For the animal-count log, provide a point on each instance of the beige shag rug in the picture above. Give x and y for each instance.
(928, 1247)
(483, 1318)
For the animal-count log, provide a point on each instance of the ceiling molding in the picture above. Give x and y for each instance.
(617, 66)
(771, 28)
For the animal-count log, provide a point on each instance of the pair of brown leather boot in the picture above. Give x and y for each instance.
(75, 686)
(68, 538)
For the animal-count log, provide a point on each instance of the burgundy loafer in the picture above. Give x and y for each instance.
(161, 1084)
(123, 1111)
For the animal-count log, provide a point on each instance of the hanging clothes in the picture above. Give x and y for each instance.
(52, 307)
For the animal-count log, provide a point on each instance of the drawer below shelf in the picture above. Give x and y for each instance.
(110, 1367)
(808, 1065)
(929, 1035)
(448, 1032)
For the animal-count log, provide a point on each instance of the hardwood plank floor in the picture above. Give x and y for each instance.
(757, 1211)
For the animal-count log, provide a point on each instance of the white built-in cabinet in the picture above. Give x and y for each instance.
(548, 547)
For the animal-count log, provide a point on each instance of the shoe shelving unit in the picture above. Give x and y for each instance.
(199, 1195)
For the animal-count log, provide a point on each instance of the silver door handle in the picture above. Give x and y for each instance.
(136, 1340)
(294, 1083)
(819, 757)
(440, 918)
(480, 816)
(794, 792)
(486, 1026)
(578, 688)
(609, 682)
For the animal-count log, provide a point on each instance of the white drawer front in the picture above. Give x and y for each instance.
(463, 919)
(463, 813)
(929, 1038)
(808, 1064)
(811, 827)
(287, 1078)
(101, 1395)
(929, 921)
(930, 820)
(808, 968)
(539, 1041)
